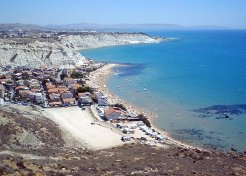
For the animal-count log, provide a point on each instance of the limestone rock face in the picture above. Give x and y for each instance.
(105, 39)
(34, 52)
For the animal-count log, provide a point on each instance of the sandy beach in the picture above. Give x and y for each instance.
(80, 128)
(99, 79)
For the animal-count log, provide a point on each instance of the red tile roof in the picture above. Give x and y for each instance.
(76, 86)
(67, 100)
(55, 103)
(50, 86)
(24, 93)
(63, 89)
(19, 87)
(111, 110)
(55, 90)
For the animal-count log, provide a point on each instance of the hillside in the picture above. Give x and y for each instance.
(32, 144)
(23, 27)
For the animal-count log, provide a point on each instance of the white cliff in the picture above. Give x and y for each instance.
(105, 39)
(35, 52)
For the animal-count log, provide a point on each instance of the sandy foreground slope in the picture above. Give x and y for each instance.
(80, 126)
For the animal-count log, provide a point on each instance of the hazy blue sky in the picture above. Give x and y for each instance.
(230, 13)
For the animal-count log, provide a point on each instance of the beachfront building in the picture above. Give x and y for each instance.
(112, 113)
(102, 99)
(84, 98)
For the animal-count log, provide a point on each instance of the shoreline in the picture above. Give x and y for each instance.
(100, 78)
(157, 40)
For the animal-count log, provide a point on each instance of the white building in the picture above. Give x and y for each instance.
(39, 98)
(85, 100)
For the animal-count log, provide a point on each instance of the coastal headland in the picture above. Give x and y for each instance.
(59, 48)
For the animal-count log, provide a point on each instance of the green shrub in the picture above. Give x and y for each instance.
(145, 120)
(121, 106)
(76, 75)
(84, 89)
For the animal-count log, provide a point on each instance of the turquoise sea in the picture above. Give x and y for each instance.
(195, 83)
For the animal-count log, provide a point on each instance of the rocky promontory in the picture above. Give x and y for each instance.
(61, 50)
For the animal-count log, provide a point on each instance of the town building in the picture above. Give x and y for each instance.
(112, 113)
(102, 99)
(84, 98)
(68, 101)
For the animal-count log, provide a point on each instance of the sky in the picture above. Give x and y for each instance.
(226, 13)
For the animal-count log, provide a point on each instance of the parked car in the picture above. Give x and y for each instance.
(143, 139)
(126, 138)
(134, 126)
(118, 125)
(25, 103)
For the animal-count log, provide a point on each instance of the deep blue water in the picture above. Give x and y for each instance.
(187, 76)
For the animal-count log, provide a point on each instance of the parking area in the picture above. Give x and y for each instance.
(140, 132)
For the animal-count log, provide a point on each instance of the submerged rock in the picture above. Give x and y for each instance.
(222, 111)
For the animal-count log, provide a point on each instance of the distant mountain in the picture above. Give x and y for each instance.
(87, 26)
(99, 27)
(23, 27)
(76, 27)
(105, 27)
(207, 27)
